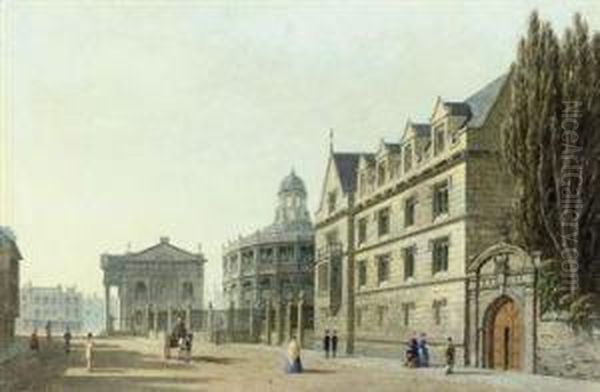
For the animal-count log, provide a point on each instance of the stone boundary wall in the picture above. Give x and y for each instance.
(563, 352)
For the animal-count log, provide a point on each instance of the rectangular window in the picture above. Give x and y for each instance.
(362, 230)
(332, 238)
(323, 276)
(383, 221)
(439, 139)
(362, 273)
(409, 262)
(440, 255)
(406, 312)
(359, 313)
(381, 174)
(409, 211)
(383, 268)
(438, 306)
(331, 201)
(381, 315)
(440, 199)
(407, 157)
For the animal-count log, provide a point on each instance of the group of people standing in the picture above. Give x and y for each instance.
(330, 343)
(417, 353)
(34, 344)
(181, 339)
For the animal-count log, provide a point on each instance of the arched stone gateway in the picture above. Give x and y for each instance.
(502, 308)
(503, 341)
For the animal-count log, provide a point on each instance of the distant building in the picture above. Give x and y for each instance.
(62, 307)
(93, 314)
(155, 287)
(275, 262)
(9, 285)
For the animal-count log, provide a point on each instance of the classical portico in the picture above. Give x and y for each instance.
(155, 286)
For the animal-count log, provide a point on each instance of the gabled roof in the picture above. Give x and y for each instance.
(346, 165)
(458, 108)
(392, 147)
(164, 251)
(419, 129)
(483, 100)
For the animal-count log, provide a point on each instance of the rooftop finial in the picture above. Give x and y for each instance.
(331, 140)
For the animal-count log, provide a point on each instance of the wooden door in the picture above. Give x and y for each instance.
(507, 339)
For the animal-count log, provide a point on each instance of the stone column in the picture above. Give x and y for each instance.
(288, 320)
(300, 320)
(107, 318)
(231, 320)
(155, 321)
(279, 321)
(268, 320)
(169, 319)
(210, 328)
(251, 321)
(147, 326)
(188, 317)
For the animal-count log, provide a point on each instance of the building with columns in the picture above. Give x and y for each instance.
(9, 285)
(274, 263)
(155, 287)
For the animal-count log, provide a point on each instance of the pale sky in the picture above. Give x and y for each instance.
(126, 121)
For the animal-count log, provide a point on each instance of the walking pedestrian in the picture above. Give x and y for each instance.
(67, 336)
(334, 343)
(89, 352)
(423, 351)
(412, 353)
(48, 331)
(188, 347)
(326, 343)
(166, 348)
(34, 343)
(450, 356)
(294, 364)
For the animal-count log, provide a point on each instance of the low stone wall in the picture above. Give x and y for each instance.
(563, 352)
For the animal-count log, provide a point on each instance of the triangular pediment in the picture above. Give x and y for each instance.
(162, 252)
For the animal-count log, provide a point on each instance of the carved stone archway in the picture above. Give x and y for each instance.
(502, 308)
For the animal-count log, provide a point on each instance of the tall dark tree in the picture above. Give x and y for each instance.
(551, 145)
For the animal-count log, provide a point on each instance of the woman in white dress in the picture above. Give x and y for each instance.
(294, 364)
(89, 352)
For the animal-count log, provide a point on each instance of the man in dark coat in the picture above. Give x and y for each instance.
(334, 342)
(326, 343)
(67, 336)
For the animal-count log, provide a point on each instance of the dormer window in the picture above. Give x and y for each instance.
(331, 201)
(440, 137)
(381, 174)
(363, 183)
(407, 157)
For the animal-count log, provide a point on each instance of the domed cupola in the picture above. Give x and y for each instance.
(292, 184)
(291, 210)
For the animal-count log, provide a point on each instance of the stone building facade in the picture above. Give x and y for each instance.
(272, 268)
(9, 285)
(394, 248)
(61, 307)
(156, 286)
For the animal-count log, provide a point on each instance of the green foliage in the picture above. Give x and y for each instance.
(549, 76)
